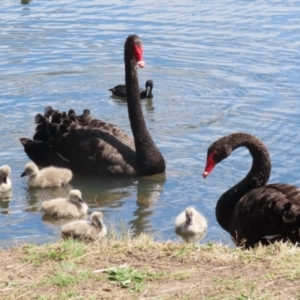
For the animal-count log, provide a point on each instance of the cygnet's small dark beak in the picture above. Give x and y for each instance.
(23, 174)
(100, 225)
(189, 220)
(80, 200)
(5, 179)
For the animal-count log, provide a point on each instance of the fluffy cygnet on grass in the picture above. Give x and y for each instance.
(191, 225)
(70, 207)
(85, 230)
(47, 177)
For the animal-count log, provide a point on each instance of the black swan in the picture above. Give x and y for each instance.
(89, 146)
(253, 211)
(120, 90)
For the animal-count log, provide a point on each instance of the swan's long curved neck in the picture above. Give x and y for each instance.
(147, 153)
(258, 176)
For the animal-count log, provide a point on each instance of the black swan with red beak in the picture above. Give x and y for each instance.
(89, 146)
(253, 211)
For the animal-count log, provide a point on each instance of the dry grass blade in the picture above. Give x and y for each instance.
(110, 269)
(140, 268)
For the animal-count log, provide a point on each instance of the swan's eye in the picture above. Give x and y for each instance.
(137, 42)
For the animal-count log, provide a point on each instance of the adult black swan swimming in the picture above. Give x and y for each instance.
(99, 147)
(120, 90)
(253, 211)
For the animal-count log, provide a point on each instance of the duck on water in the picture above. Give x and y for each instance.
(98, 147)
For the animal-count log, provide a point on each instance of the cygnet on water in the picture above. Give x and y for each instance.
(5, 183)
(70, 207)
(85, 230)
(47, 177)
(191, 225)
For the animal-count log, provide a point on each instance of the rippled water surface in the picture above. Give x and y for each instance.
(218, 67)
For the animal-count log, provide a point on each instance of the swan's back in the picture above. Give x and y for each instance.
(95, 148)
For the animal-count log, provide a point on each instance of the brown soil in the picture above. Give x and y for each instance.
(179, 271)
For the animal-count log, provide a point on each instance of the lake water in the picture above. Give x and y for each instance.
(218, 67)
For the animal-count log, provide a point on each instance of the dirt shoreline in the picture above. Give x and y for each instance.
(140, 268)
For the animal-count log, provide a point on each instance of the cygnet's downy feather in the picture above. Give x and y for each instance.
(47, 177)
(191, 225)
(5, 183)
(85, 230)
(70, 207)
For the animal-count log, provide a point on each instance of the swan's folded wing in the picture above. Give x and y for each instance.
(105, 149)
(268, 212)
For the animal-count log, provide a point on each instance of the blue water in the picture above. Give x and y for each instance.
(218, 67)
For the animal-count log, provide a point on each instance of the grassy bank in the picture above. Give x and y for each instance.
(140, 268)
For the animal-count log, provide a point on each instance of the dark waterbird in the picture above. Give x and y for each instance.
(253, 211)
(89, 146)
(120, 90)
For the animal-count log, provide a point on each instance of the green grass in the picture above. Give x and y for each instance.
(180, 275)
(67, 249)
(131, 278)
(294, 275)
(154, 270)
(67, 273)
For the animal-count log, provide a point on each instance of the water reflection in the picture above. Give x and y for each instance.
(149, 190)
(193, 238)
(123, 102)
(149, 105)
(49, 221)
(108, 194)
(5, 199)
(35, 196)
(237, 72)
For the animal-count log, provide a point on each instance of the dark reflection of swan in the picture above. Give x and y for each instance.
(35, 196)
(148, 192)
(105, 192)
(108, 194)
(148, 104)
(117, 191)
